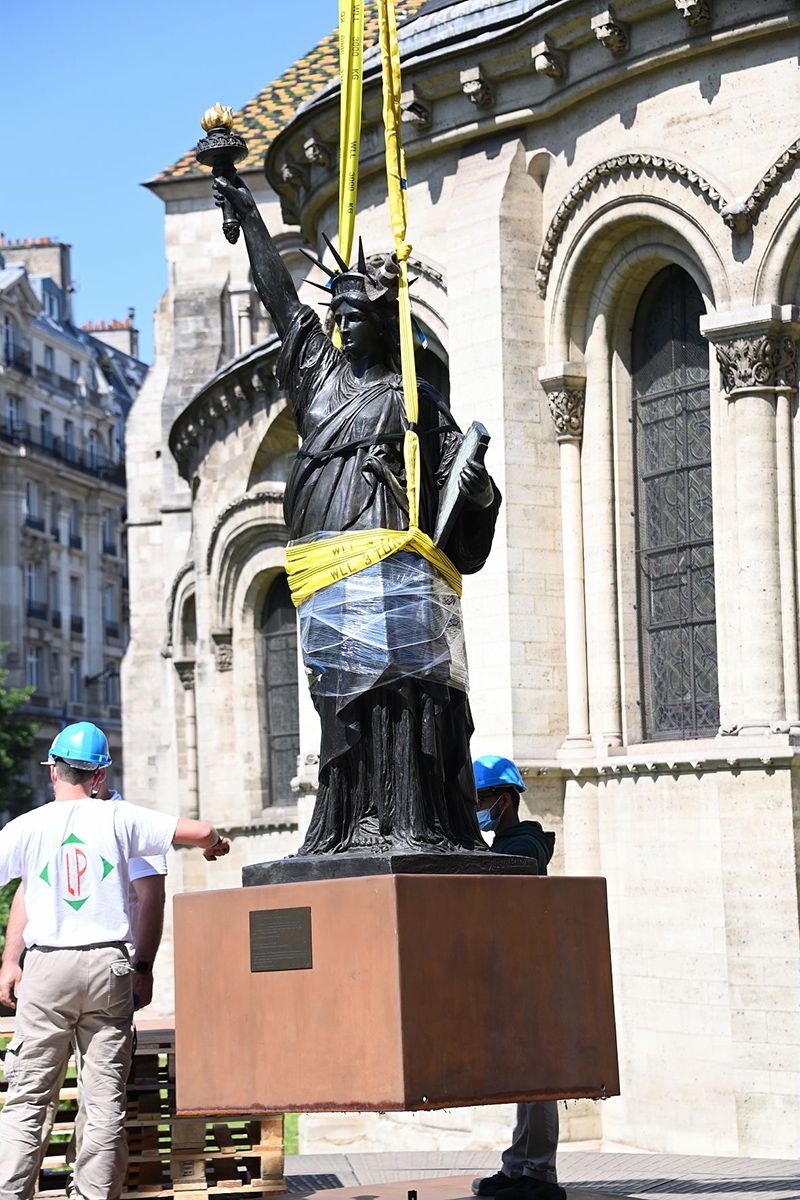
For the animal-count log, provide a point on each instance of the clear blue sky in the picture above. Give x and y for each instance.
(99, 97)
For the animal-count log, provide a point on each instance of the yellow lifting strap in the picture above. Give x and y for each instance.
(317, 564)
(351, 87)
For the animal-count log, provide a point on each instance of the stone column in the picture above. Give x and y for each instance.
(565, 386)
(185, 670)
(600, 545)
(756, 351)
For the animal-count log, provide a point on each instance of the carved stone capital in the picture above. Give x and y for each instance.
(185, 671)
(610, 32)
(696, 12)
(222, 640)
(475, 87)
(756, 348)
(566, 409)
(758, 361)
(549, 61)
(414, 110)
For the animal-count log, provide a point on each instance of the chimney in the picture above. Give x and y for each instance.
(121, 335)
(44, 256)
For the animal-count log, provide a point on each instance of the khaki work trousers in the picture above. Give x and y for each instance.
(82, 995)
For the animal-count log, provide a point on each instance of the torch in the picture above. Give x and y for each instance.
(221, 149)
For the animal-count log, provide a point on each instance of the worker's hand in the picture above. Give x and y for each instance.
(217, 851)
(475, 485)
(142, 984)
(10, 975)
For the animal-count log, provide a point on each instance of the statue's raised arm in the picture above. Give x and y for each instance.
(273, 282)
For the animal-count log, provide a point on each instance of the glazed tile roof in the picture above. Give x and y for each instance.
(265, 116)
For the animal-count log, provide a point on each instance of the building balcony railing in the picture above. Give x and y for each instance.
(33, 522)
(35, 608)
(95, 463)
(55, 534)
(76, 624)
(75, 541)
(112, 629)
(109, 548)
(20, 359)
(55, 619)
(56, 381)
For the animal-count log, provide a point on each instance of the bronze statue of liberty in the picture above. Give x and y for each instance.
(383, 648)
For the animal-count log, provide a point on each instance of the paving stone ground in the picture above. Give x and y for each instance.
(582, 1173)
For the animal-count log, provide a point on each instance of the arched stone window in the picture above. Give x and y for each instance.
(674, 515)
(282, 742)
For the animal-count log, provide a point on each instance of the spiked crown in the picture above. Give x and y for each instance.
(371, 283)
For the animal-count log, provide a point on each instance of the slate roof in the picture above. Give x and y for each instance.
(263, 117)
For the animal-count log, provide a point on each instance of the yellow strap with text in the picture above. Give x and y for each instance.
(313, 565)
(351, 72)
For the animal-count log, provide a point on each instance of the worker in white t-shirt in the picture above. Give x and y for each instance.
(73, 858)
(146, 896)
(146, 906)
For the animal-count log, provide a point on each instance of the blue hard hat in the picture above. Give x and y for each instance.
(492, 771)
(82, 745)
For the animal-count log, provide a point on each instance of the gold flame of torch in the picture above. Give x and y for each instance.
(217, 117)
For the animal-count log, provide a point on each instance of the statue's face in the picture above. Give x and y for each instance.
(362, 339)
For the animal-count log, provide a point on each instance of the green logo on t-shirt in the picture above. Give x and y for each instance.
(75, 864)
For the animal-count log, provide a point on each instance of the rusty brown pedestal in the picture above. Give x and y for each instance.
(425, 991)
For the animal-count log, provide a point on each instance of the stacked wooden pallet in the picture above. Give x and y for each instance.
(170, 1156)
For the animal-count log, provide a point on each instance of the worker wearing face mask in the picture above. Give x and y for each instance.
(499, 786)
(529, 1164)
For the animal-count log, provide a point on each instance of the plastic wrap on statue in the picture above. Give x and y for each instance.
(395, 620)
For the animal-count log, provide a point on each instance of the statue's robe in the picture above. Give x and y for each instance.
(395, 769)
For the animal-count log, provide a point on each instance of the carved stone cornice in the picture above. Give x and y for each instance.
(696, 12)
(294, 174)
(317, 152)
(609, 169)
(547, 60)
(757, 362)
(229, 399)
(740, 217)
(476, 87)
(610, 32)
(185, 668)
(414, 109)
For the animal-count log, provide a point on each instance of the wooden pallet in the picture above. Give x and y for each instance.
(185, 1158)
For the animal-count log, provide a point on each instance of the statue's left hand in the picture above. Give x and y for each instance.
(475, 485)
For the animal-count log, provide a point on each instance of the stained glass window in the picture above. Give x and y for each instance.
(674, 514)
(279, 630)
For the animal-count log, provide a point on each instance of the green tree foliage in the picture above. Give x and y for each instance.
(16, 744)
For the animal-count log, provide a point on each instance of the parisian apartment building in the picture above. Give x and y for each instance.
(65, 392)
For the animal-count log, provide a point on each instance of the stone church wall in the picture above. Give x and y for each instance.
(537, 222)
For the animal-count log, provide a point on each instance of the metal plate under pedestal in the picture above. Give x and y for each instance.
(280, 939)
